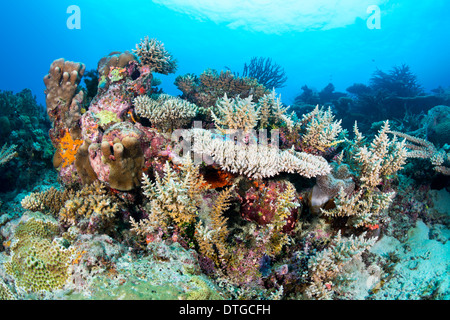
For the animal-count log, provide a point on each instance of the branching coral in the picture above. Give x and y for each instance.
(235, 114)
(51, 200)
(212, 233)
(319, 130)
(373, 166)
(151, 52)
(273, 113)
(274, 207)
(328, 264)
(256, 160)
(7, 153)
(174, 197)
(165, 112)
(212, 85)
(422, 149)
(381, 159)
(92, 209)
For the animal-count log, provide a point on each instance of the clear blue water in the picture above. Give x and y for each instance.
(316, 44)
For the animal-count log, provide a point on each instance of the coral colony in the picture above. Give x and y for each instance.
(220, 193)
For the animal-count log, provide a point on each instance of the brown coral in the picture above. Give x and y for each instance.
(51, 200)
(151, 52)
(126, 160)
(92, 209)
(63, 97)
(212, 85)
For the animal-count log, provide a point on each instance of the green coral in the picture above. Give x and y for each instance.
(38, 261)
(5, 293)
(203, 291)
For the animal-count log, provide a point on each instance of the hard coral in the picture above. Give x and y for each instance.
(212, 85)
(122, 153)
(38, 261)
(165, 112)
(151, 52)
(62, 96)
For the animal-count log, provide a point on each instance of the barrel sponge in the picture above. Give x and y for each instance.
(126, 160)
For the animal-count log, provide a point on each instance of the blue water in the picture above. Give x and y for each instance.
(315, 46)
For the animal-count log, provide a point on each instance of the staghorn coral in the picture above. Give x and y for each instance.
(7, 153)
(92, 209)
(326, 267)
(254, 160)
(165, 112)
(319, 130)
(186, 83)
(38, 260)
(364, 207)
(273, 113)
(212, 232)
(423, 149)
(174, 197)
(51, 200)
(373, 165)
(235, 114)
(381, 159)
(151, 52)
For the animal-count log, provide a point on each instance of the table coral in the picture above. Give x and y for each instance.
(165, 112)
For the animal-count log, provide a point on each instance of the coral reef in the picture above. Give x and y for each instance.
(373, 166)
(419, 148)
(23, 124)
(326, 266)
(211, 85)
(221, 193)
(151, 52)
